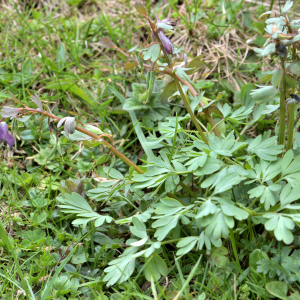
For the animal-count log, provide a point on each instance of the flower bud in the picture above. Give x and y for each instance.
(281, 50)
(70, 123)
(294, 99)
(167, 44)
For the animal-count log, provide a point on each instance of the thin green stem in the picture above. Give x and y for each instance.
(92, 240)
(235, 130)
(234, 248)
(212, 122)
(253, 202)
(187, 189)
(281, 139)
(291, 110)
(171, 241)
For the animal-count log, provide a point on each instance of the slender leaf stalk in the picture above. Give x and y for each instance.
(206, 111)
(253, 202)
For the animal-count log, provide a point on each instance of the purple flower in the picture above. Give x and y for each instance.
(165, 24)
(167, 44)
(5, 135)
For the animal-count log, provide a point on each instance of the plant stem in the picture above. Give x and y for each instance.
(281, 139)
(206, 111)
(253, 202)
(212, 122)
(291, 109)
(92, 240)
(187, 105)
(187, 189)
(236, 131)
(290, 126)
(234, 248)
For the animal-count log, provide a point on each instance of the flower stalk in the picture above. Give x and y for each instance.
(175, 77)
(94, 136)
(125, 159)
(186, 103)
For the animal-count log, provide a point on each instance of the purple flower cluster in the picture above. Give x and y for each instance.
(5, 135)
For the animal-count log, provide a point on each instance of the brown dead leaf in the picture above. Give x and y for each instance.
(98, 178)
(43, 278)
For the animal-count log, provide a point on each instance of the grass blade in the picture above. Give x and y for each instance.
(9, 247)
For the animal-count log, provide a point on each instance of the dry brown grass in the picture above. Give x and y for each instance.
(222, 55)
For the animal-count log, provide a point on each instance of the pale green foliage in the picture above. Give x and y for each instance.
(265, 147)
(76, 204)
(191, 192)
(213, 215)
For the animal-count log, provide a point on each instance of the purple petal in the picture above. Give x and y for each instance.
(5, 135)
(167, 44)
(10, 140)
